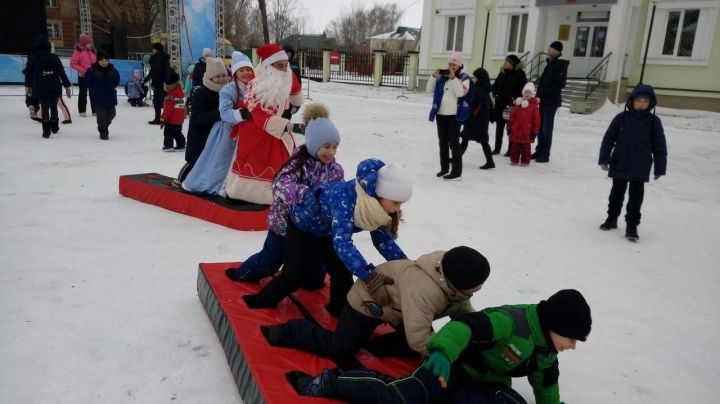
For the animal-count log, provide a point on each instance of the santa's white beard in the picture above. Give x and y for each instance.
(270, 88)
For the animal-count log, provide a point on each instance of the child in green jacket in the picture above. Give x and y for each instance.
(473, 358)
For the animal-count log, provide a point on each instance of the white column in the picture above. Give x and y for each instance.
(617, 39)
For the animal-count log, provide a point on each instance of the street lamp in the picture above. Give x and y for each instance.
(489, 5)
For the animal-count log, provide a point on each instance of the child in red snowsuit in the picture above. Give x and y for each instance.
(524, 125)
(173, 114)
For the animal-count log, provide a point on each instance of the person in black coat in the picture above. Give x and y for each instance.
(549, 89)
(159, 72)
(634, 139)
(295, 68)
(481, 107)
(507, 87)
(205, 112)
(200, 67)
(44, 78)
(102, 79)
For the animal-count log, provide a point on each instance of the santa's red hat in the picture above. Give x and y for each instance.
(271, 53)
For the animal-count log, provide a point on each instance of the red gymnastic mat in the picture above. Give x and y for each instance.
(259, 369)
(156, 189)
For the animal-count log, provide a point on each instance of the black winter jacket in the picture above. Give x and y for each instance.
(481, 105)
(159, 69)
(205, 113)
(552, 81)
(42, 63)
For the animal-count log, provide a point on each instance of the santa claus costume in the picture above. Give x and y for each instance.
(264, 143)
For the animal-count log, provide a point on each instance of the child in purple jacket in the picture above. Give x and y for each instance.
(311, 164)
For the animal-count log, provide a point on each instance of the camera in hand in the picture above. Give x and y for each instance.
(444, 72)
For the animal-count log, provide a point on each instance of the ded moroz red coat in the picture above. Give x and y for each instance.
(263, 145)
(524, 121)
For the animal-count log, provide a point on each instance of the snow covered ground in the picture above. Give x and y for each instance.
(98, 298)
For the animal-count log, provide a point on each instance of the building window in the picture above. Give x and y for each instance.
(679, 41)
(53, 31)
(51, 3)
(455, 33)
(682, 33)
(516, 33)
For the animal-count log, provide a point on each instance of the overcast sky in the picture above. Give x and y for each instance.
(318, 13)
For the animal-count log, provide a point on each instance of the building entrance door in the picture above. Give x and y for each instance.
(588, 48)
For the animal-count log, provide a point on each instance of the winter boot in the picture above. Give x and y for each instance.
(488, 165)
(441, 173)
(307, 385)
(609, 224)
(452, 177)
(46, 130)
(54, 125)
(274, 334)
(631, 232)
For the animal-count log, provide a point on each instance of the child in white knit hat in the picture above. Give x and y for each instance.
(325, 221)
(524, 125)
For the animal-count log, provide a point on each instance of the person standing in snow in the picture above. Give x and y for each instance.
(436, 285)
(450, 108)
(159, 71)
(199, 70)
(473, 358)
(83, 57)
(295, 67)
(311, 164)
(634, 140)
(173, 114)
(507, 87)
(102, 80)
(476, 126)
(549, 90)
(326, 219)
(205, 113)
(44, 78)
(523, 126)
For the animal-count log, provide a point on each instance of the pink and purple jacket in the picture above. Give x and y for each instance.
(82, 59)
(289, 188)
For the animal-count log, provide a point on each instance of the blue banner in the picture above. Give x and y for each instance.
(11, 67)
(197, 29)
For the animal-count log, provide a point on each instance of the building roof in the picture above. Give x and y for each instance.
(402, 33)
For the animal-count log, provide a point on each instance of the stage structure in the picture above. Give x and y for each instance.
(172, 13)
(85, 17)
(220, 29)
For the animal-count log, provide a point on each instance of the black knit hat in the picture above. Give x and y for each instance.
(158, 47)
(102, 55)
(172, 77)
(465, 268)
(557, 45)
(513, 60)
(566, 313)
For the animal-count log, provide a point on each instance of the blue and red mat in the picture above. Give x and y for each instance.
(259, 369)
(157, 189)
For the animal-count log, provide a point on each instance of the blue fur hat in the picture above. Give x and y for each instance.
(318, 132)
(239, 60)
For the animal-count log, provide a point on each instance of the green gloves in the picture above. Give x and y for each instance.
(438, 364)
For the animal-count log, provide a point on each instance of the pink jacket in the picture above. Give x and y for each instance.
(82, 59)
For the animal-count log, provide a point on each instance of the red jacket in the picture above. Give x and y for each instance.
(524, 122)
(174, 106)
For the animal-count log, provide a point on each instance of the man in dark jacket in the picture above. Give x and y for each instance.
(159, 71)
(102, 80)
(549, 89)
(634, 139)
(507, 86)
(200, 67)
(44, 79)
(295, 67)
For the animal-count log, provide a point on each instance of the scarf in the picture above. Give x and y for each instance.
(368, 214)
(211, 85)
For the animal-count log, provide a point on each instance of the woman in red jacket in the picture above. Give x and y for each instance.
(524, 125)
(173, 114)
(82, 59)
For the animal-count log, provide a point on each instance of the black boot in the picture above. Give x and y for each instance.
(313, 386)
(489, 163)
(54, 125)
(46, 129)
(609, 224)
(631, 232)
(274, 334)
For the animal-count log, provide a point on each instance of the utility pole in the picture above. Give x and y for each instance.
(263, 15)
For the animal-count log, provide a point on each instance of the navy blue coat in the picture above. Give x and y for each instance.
(481, 105)
(633, 140)
(102, 83)
(552, 81)
(37, 63)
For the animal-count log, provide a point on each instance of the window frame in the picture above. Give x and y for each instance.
(58, 24)
(52, 3)
(442, 22)
(704, 33)
(502, 32)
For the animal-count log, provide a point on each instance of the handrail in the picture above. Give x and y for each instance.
(524, 56)
(598, 65)
(598, 73)
(533, 66)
